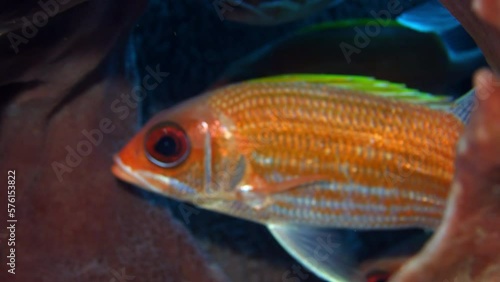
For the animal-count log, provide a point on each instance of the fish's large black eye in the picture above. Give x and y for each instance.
(167, 145)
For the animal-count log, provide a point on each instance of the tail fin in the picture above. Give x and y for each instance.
(463, 107)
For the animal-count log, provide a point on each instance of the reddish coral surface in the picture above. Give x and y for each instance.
(85, 226)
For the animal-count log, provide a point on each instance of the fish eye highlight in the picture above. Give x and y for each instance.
(167, 145)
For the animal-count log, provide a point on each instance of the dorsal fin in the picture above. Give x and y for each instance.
(368, 85)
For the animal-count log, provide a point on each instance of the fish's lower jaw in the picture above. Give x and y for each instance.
(127, 174)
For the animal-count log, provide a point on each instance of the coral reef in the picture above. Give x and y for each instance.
(466, 246)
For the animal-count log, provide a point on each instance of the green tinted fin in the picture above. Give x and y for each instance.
(326, 252)
(364, 84)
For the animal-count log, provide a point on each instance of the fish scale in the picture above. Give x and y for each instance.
(285, 123)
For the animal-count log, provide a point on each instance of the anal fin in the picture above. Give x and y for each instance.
(326, 252)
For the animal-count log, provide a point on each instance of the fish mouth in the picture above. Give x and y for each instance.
(126, 174)
(147, 180)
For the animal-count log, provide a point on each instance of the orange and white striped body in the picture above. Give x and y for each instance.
(306, 153)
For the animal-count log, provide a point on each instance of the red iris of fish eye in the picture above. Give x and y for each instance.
(167, 145)
(378, 276)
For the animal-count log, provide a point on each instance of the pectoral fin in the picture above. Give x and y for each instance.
(256, 191)
(258, 184)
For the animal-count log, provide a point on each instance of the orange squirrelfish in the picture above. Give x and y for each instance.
(307, 150)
